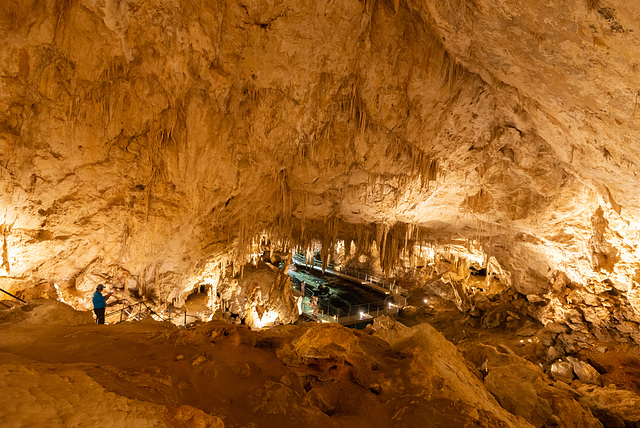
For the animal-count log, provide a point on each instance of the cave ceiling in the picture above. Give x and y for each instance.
(153, 137)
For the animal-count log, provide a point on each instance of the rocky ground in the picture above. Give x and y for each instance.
(533, 369)
(57, 368)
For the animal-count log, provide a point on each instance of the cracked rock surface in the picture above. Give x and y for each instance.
(149, 143)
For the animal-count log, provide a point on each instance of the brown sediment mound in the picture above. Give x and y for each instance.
(316, 375)
(45, 312)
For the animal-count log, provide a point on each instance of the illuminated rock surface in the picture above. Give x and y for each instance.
(146, 142)
(480, 151)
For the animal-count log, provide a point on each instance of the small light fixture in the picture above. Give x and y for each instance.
(426, 301)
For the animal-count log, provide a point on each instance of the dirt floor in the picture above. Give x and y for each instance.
(59, 369)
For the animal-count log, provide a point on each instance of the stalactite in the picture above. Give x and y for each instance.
(382, 245)
(406, 240)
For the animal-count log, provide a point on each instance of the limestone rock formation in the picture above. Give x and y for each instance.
(261, 298)
(481, 151)
(562, 370)
(616, 408)
(585, 372)
(523, 389)
(45, 311)
(147, 143)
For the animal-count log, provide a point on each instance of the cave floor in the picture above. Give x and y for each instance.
(51, 372)
(130, 373)
(618, 362)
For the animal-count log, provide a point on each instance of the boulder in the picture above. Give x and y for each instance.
(556, 328)
(516, 392)
(429, 366)
(388, 329)
(615, 408)
(523, 389)
(437, 366)
(562, 370)
(553, 354)
(585, 372)
(534, 298)
(47, 312)
(409, 311)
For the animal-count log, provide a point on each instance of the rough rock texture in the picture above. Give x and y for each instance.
(147, 142)
(616, 408)
(562, 370)
(45, 312)
(220, 374)
(523, 389)
(45, 395)
(585, 372)
(262, 297)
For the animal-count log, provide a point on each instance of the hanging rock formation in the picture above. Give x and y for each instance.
(149, 143)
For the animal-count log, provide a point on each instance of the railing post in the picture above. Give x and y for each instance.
(185, 318)
(121, 311)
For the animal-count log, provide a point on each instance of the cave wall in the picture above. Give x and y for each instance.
(148, 142)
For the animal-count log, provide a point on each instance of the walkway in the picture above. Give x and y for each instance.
(351, 314)
(364, 279)
(139, 311)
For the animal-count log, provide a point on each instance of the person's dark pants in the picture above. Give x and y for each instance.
(99, 315)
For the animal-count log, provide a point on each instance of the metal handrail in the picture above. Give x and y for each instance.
(354, 313)
(15, 297)
(308, 292)
(389, 285)
(367, 277)
(139, 306)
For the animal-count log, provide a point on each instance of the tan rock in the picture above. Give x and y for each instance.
(430, 363)
(522, 388)
(585, 372)
(160, 151)
(553, 354)
(188, 416)
(615, 408)
(562, 370)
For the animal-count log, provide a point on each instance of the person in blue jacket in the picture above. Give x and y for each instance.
(100, 303)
